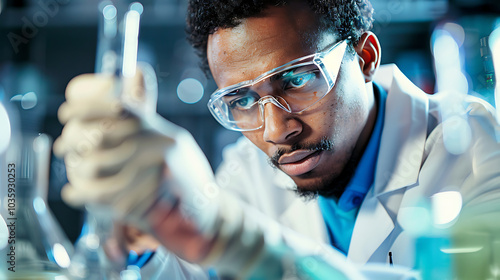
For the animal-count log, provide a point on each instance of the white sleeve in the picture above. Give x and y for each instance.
(165, 265)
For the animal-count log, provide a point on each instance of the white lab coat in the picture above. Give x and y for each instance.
(413, 164)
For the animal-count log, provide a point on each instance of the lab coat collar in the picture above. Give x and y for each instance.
(398, 164)
(403, 138)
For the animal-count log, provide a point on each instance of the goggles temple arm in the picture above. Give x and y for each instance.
(329, 62)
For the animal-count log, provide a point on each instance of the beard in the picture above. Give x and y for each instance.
(332, 186)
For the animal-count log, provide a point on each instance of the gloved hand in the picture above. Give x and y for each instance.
(126, 160)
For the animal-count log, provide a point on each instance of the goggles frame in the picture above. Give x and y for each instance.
(326, 61)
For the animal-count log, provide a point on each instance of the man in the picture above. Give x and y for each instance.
(296, 78)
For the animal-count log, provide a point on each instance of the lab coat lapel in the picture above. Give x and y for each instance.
(372, 227)
(403, 137)
(398, 163)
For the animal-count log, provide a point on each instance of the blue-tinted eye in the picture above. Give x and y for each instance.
(243, 102)
(300, 80)
(292, 81)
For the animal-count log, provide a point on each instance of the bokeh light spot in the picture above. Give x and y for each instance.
(446, 207)
(5, 128)
(190, 91)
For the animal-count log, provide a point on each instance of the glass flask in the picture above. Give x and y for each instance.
(98, 252)
(90, 260)
(36, 248)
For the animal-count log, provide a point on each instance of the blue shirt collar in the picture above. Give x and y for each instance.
(340, 216)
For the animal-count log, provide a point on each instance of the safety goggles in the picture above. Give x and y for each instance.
(293, 87)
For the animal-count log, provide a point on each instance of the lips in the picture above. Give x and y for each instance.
(299, 162)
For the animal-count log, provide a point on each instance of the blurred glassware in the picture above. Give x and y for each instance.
(90, 261)
(98, 255)
(37, 247)
(489, 70)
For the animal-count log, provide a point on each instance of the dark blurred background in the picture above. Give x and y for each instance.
(44, 43)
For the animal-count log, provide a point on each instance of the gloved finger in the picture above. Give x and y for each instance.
(85, 137)
(100, 163)
(78, 197)
(72, 196)
(97, 191)
(142, 193)
(78, 138)
(133, 182)
(91, 87)
(112, 183)
(90, 110)
(140, 151)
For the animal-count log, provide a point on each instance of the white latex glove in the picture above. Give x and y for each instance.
(120, 158)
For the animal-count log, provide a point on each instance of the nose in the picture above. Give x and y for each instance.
(279, 125)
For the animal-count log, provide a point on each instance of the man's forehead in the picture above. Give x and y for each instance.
(282, 32)
(272, 23)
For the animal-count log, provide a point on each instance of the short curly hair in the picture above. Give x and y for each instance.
(348, 18)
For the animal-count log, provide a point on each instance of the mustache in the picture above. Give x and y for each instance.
(324, 144)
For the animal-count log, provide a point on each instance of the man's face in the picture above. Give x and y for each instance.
(315, 146)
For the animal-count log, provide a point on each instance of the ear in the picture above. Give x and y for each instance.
(369, 51)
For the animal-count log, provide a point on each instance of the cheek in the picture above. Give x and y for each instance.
(345, 115)
(257, 138)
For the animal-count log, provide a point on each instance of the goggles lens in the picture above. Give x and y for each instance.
(293, 87)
